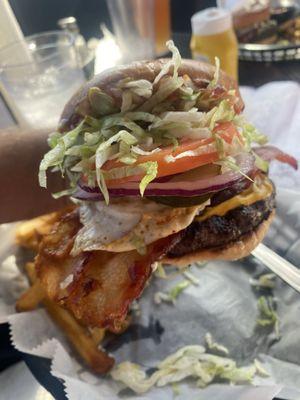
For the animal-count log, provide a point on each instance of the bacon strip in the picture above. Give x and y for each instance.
(109, 282)
(269, 153)
(98, 287)
(53, 263)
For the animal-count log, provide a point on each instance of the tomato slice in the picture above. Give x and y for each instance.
(205, 152)
(228, 131)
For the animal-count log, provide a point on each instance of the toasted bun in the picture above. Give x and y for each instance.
(238, 249)
(200, 73)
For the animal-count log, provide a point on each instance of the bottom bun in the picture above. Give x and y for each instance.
(236, 250)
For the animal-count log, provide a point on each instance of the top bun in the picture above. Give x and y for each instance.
(199, 72)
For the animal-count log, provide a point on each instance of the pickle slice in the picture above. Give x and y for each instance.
(177, 201)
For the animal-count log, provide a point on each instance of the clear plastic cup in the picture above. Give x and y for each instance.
(38, 76)
(133, 24)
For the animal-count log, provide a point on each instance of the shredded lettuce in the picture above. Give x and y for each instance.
(122, 121)
(250, 133)
(253, 134)
(239, 375)
(260, 370)
(55, 156)
(264, 281)
(159, 270)
(172, 295)
(128, 159)
(168, 86)
(188, 362)
(260, 163)
(189, 276)
(141, 152)
(267, 314)
(62, 193)
(104, 149)
(126, 101)
(169, 139)
(150, 168)
(182, 124)
(53, 139)
(141, 87)
(152, 115)
(223, 112)
(212, 345)
(141, 116)
(215, 80)
(102, 185)
(220, 145)
(177, 289)
(174, 62)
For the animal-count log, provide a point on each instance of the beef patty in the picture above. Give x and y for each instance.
(216, 231)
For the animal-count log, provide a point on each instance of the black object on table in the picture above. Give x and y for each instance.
(250, 73)
(8, 354)
(39, 367)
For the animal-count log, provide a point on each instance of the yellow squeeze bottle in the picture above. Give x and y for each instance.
(213, 36)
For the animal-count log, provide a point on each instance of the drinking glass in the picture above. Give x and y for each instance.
(134, 27)
(38, 76)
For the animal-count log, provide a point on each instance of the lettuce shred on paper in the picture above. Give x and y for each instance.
(188, 362)
(267, 313)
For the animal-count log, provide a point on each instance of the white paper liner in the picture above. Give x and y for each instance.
(274, 108)
(223, 303)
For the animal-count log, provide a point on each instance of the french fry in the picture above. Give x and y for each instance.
(97, 335)
(29, 233)
(86, 343)
(31, 298)
(98, 360)
(30, 271)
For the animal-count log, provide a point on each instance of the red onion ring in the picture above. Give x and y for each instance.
(269, 153)
(245, 162)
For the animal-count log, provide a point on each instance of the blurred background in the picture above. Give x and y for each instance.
(90, 14)
(49, 48)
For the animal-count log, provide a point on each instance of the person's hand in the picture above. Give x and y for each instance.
(20, 193)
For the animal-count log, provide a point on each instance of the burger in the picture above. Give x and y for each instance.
(162, 166)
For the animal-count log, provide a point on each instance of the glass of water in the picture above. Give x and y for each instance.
(38, 76)
(133, 24)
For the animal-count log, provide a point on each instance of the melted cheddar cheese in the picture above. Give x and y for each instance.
(257, 191)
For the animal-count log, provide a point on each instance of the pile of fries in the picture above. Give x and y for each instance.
(85, 340)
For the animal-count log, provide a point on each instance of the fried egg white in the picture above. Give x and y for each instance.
(118, 226)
